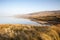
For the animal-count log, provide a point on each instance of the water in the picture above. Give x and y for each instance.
(12, 20)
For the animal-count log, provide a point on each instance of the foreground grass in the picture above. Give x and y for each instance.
(29, 32)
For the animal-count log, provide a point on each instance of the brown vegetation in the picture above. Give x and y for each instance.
(51, 17)
(32, 32)
(29, 32)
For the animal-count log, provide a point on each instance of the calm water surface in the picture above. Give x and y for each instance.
(12, 20)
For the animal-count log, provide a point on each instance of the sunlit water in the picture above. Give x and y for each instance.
(12, 20)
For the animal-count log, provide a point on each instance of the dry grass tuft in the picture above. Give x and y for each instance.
(29, 32)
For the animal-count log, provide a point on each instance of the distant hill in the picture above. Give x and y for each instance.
(46, 13)
(52, 17)
(41, 14)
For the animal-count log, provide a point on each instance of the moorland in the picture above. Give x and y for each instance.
(32, 32)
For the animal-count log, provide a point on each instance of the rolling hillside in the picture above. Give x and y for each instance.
(52, 17)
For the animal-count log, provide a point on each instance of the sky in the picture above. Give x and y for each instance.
(13, 7)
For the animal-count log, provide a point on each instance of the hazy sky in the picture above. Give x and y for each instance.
(12, 7)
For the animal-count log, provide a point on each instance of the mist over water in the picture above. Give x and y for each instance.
(12, 20)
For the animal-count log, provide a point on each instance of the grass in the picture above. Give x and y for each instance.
(29, 32)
